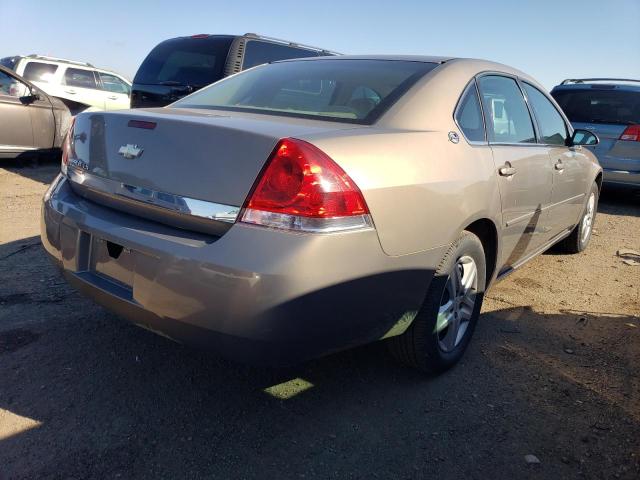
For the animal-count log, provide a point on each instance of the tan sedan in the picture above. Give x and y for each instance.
(308, 206)
(32, 123)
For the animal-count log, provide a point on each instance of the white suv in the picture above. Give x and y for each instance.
(80, 85)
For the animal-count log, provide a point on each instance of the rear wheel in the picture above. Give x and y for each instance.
(440, 333)
(581, 234)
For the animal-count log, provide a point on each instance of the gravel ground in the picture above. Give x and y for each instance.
(552, 372)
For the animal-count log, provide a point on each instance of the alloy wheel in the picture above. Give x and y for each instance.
(457, 304)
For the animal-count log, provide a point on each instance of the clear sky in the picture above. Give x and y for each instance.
(549, 39)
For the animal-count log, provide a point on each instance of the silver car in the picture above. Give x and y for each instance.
(610, 108)
(308, 206)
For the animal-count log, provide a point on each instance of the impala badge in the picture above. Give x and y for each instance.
(130, 151)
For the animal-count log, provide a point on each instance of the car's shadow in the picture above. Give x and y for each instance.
(90, 396)
(40, 169)
(620, 200)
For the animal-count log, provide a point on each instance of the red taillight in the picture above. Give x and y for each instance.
(303, 188)
(67, 146)
(631, 133)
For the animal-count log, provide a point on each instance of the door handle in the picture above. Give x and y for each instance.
(113, 97)
(72, 92)
(507, 170)
(559, 166)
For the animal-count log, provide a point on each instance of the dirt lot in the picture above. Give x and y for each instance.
(552, 372)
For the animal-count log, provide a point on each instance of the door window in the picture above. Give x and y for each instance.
(469, 115)
(113, 84)
(257, 53)
(553, 130)
(12, 87)
(506, 114)
(39, 72)
(76, 77)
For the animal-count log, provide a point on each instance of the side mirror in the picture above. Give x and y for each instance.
(29, 96)
(584, 137)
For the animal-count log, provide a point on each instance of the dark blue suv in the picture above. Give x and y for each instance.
(609, 107)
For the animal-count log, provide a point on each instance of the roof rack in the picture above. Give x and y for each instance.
(56, 59)
(592, 80)
(290, 44)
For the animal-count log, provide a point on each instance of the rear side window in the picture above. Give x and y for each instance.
(39, 72)
(113, 84)
(506, 114)
(599, 106)
(469, 115)
(185, 61)
(257, 53)
(75, 77)
(551, 124)
(353, 91)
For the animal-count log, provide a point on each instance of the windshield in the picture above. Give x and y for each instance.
(355, 91)
(193, 61)
(600, 106)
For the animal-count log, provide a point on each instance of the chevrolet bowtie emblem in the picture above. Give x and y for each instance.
(130, 151)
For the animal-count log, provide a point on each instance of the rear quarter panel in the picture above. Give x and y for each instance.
(421, 189)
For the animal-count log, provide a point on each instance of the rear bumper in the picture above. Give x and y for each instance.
(621, 177)
(256, 295)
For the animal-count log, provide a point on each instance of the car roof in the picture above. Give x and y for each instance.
(406, 58)
(476, 64)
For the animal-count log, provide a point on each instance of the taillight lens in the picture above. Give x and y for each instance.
(631, 133)
(67, 147)
(302, 188)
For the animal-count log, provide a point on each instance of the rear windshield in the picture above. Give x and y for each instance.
(600, 106)
(185, 61)
(353, 91)
(9, 62)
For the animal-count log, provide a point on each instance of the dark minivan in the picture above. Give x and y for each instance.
(180, 66)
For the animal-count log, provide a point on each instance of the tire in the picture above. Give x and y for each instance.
(431, 345)
(579, 238)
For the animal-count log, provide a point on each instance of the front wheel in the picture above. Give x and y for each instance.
(579, 238)
(440, 333)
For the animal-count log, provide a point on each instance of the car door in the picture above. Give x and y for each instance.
(116, 91)
(523, 167)
(16, 133)
(80, 85)
(570, 172)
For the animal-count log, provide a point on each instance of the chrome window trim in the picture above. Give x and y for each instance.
(180, 204)
(508, 144)
(472, 84)
(567, 125)
(515, 78)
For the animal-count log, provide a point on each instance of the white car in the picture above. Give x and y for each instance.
(80, 85)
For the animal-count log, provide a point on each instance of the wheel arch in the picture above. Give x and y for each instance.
(485, 229)
(598, 180)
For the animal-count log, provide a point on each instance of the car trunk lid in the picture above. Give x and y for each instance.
(613, 153)
(178, 166)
